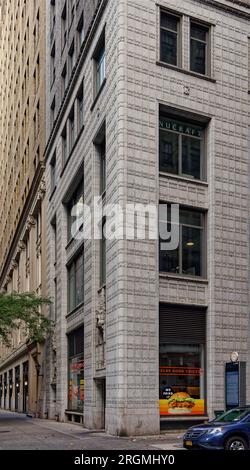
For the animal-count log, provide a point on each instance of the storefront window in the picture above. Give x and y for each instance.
(182, 385)
(76, 371)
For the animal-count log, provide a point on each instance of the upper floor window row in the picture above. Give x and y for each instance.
(171, 43)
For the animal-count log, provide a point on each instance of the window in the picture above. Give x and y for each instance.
(64, 79)
(100, 144)
(76, 282)
(64, 145)
(181, 148)
(71, 58)
(53, 172)
(80, 107)
(102, 153)
(52, 112)
(103, 249)
(99, 64)
(52, 65)
(71, 128)
(181, 371)
(64, 26)
(80, 32)
(52, 19)
(199, 45)
(75, 202)
(76, 370)
(71, 12)
(170, 39)
(182, 360)
(189, 258)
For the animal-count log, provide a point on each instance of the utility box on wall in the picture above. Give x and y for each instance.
(235, 384)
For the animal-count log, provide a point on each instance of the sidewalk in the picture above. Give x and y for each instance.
(19, 432)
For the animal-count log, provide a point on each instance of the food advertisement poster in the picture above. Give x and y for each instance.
(176, 400)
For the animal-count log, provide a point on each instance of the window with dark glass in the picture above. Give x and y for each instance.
(64, 25)
(199, 48)
(102, 153)
(72, 57)
(64, 79)
(71, 128)
(64, 145)
(76, 370)
(52, 112)
(80, 31)
(103, 248)
(80, 107)
(100, 145)
(99, 65)
(53, 172)
(52, 65)
(170, 38)
(76, 282)
(189, 258)
(181, 148)
(75, 210)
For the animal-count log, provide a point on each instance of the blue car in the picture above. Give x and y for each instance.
(228, 431)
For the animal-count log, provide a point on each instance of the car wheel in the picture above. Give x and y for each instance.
(236, 443)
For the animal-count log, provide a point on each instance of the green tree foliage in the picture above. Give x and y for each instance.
(23, 310)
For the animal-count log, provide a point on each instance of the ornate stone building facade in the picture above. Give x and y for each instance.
(154, 110)
(22, 183)
(147, 103)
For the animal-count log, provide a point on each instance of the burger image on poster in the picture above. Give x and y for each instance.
(180, 402)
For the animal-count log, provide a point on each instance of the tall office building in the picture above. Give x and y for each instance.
(22, 190)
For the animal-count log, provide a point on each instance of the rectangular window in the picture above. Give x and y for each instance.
(182, 379)
(71, 58)
(170, 39)
(103, 257)
(71, 128)
(64, 26)
(181, 149)
(189, 258)
(100, 146)
(182, 341)
(199, 48)
(52, 112)
(80, 32)
(75, 210)
(64, 79)
(52, 65)
(76, 370)
(80, 108)
(64, 145)
(76, 282)
(99, 65)
(71, 12)
(53, 172)
(102, 154)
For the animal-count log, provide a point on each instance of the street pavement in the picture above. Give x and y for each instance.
(19, 432)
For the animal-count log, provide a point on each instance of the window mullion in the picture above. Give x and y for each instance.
(180, 251)
(180, 154)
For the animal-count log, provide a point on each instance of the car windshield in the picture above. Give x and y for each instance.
(233, 415)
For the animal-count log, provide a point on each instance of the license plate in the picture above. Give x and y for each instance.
(188, 443)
